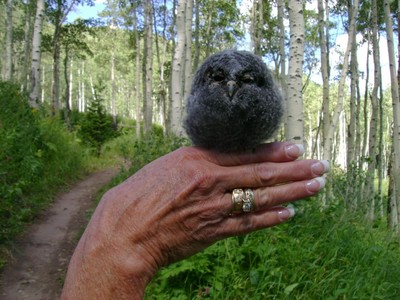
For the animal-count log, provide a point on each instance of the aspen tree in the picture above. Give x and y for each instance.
(325, 76)
(295, 122)
(180, 59)
(395, 164)
(148, 67)
(36, 55)
(8, 61)
(282, 56)
(342, 80)
(374, 95)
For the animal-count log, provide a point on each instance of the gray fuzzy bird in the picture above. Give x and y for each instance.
(234, 104)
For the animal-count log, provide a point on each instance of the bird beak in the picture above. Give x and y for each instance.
(231, 87)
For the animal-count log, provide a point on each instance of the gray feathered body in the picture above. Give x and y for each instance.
(234, 104)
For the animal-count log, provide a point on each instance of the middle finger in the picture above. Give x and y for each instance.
(270, 174)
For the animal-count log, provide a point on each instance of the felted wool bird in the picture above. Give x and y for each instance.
(234, 104)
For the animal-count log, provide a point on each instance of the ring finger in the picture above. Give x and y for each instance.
(267, 197)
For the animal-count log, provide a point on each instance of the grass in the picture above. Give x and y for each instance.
(317, 255)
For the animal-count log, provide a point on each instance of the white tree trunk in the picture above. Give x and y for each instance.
(70, 84)
(43, 80)
(113, 88)
(295, 127)
(8, 63)
(163, 88)
(178, 83)
(27, 47)
(256, 26)
(282, 55)
(325, 77)
(188, 53)
(36, 55)
(339, 106)
(372, 153)
(396, 113)
(148, 113)
(137, 77)
(55, 89)
(81, 89)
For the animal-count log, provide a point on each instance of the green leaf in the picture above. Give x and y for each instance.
(290, 288)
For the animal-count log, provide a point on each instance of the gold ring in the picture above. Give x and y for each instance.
(237, 201)
(248, 200)
(242, 201)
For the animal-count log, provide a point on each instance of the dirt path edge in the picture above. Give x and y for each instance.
(44, 251)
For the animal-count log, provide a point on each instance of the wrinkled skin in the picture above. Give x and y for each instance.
(178, 205)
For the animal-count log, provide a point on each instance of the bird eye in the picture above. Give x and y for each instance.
(218, 76)
(247, 78)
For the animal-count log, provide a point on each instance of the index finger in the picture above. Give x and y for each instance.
(271, 152)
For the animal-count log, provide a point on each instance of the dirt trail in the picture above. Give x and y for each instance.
(44, 251)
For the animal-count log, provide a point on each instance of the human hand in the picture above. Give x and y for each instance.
(180, 204)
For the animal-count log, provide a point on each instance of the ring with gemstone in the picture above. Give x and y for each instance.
(242, 201)
(248, 200)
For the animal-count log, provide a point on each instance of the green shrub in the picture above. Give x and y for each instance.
(96, 126)
(154, 145)
(37, 156)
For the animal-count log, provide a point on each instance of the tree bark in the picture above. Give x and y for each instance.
(257, 23)
(372, 153)
(67, 109)
(197, 35)
(188, 71)
(181, 57)
(27, 46)
(351, 134)
(82, 88)
(137, 75)
(59, 18)
(339, 106)
(161, 58)
(282, 55)
(353, 189)
(36, 55)
(395, 169)
(295, 128)
(148, 68)
(55, 90)
(325, 77)
(8, 61)
(113, 86)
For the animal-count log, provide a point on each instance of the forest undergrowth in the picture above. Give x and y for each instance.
(39, 156)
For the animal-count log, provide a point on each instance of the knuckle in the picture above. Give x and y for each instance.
(247, 224)
(262, 174)
(199, 176)
(263, 199)
(203, 180)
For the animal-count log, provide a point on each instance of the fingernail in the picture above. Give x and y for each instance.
(315, 185)
(321, 167)
(286, 213)
(294, 150)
